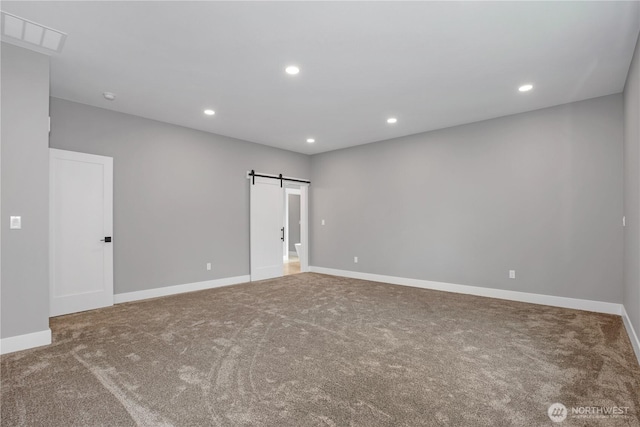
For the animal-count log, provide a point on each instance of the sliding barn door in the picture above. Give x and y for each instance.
(266, 223)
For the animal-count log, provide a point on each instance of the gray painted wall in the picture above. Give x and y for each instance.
(25, 191)
(181, 198)
(539, 192)
(294, 221)
(632, 192)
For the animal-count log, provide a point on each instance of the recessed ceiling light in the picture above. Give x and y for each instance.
(292, 69)
(311, 140)
(392, 120)
(109, 96)
(209, 112)
(525, 88)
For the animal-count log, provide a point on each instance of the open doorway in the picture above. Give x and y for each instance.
(292, 244)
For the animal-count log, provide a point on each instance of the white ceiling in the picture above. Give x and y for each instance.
(430, 64)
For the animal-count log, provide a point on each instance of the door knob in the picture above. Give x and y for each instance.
(106, 239)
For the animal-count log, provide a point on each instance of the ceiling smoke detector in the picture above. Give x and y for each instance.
(31, 35)
(109, 96)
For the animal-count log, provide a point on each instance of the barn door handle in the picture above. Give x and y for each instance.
(106, 239)
(282, 229)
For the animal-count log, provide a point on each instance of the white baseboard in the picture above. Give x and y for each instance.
(578, 304)
(633, 337)
(179, 289)
(26, 341)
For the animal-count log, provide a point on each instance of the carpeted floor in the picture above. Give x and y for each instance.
(316, 350)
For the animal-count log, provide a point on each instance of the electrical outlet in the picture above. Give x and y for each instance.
(323, 222)
(512, 274)
(208, 266)
(355, 259)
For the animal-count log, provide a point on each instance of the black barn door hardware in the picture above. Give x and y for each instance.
(253, 175)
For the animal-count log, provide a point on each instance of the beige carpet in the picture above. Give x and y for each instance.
(315, 350)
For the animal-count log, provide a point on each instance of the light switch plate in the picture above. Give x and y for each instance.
(15, 223)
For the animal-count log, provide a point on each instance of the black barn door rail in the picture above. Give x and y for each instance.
(253, 175)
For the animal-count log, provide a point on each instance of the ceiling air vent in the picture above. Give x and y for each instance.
(25, 33)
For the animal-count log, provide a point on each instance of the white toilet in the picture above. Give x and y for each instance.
(298, 249)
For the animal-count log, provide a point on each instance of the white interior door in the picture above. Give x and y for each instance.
(81, 226)
(266, 228)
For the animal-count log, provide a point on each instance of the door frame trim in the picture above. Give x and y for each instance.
(287, 192)
(302, 189)
(304, 227)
